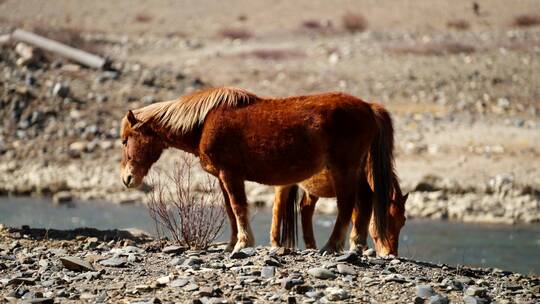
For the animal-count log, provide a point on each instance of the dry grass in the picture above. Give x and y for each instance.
(192, 215)
(235, 33)
(459, 24)
(433, 49)
(526, 20)
(143, 18)
(354, 22)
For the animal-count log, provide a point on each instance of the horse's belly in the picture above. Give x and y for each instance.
(320, 184)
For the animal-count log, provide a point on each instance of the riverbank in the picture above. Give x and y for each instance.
(88, 265)
(464, 99)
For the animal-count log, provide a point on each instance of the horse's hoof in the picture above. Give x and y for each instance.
(229, 248)
(327, 249)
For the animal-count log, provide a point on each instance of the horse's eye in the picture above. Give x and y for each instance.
(124, 142)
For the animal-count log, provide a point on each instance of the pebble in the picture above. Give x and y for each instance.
(475, 291)
(60, 90)
(474, 300)
(438, 299)
(321, 273)
(62, 197)
(173, 249)
(114, 262)
(191, 287)
(348, 257)
(178, 283)
(424, 291)
(345, 269)
(370, 252)
(336, 294)
(76, 264)
(268, 271)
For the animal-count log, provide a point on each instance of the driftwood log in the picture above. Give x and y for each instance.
(80, 56)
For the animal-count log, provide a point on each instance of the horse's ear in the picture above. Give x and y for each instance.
(132, 119)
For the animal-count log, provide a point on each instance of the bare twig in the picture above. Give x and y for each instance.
(192, 218)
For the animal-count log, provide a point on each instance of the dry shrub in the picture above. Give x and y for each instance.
(235, 33)
(143, 18)
(434, 49)
(459, 24)
(191, 216)
(312, 24)
(354, 22)
(526, 20)
(273, 54)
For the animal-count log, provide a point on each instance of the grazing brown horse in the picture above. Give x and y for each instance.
(239, 136)
(283, 231)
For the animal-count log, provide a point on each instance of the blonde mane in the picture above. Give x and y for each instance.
(186, 112)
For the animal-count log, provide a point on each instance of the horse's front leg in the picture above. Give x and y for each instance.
(238, 201)
(232, 218)
(278, 209)
(360, 218)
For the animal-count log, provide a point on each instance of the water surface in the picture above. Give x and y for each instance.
(507, 247)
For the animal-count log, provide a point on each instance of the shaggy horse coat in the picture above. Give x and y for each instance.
(239, 136)
(283, 231)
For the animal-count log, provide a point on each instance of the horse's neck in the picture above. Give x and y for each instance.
(188, 141)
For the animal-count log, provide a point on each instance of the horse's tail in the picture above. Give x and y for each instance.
(289, 222)
(380, 167)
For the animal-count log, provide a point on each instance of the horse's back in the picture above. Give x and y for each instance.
(281, 141)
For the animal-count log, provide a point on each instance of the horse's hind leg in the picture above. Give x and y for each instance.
(307, 207)
(345, 184)
(232, 218)
(278, 212)
(361, 217)
(237, 196)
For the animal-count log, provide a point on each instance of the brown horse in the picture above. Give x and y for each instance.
(239, 136)
(283, 231)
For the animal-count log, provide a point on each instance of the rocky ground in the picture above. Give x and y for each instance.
(113, 266)
(461, 85)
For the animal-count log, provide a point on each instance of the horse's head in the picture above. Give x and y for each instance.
(395, 223)
(141, 147)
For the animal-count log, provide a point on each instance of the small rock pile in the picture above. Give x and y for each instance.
(113, 270)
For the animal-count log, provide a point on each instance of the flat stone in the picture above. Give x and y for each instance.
(238, 255)
(40, 301)
(394, 277)
(163, 280)
(348, 257)
(173, 249)
(114, 262)
(314, 294)
(178, 283)
(321, 273)
(345, 269)
(272, 262)
(370, 252)
(395, 262)
(474, 300)
(475, 291)
(206, 291)
(176, 261)
(191, 287)
(438, 299)
(192, 261)
(62, 197)
(249, 251)
(425, 291)
(336, 294)
(76, 264)
(268, 271)
(289, 283)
